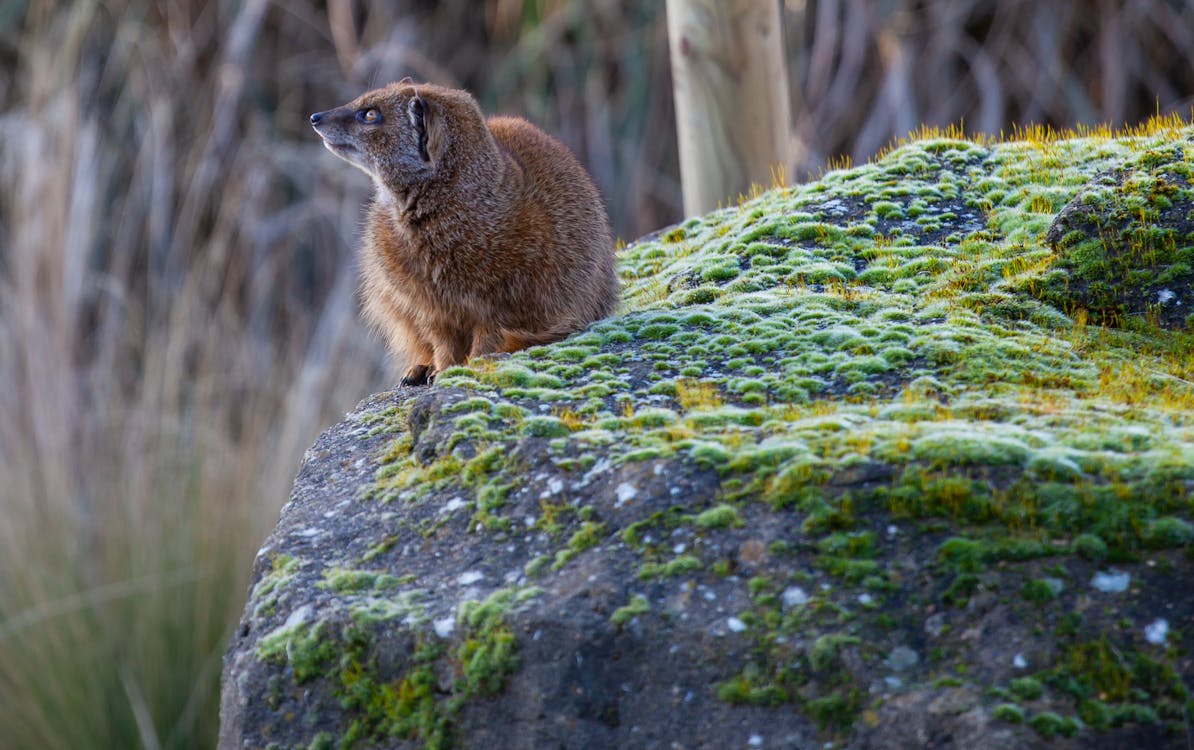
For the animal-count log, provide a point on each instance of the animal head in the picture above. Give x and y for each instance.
(399, 135)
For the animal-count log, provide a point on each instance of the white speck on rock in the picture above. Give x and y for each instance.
(309, 532)
(454, 505)
(935, 624)
(865, 599)
(755, 741)
(679, 548)
(1019, 662)
(298, 616)
(835, 206)
(893, 682)
(469, 577)
(625, 492)
(1165, 296)
(1111, 581)
(1157, 632)
(444, 627)
(658, 469)
(555, 485)
(794, 596)
(892, 530)
(603, 464)
(735, 625)
(901, 658)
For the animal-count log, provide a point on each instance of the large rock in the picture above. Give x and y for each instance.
(851, 469)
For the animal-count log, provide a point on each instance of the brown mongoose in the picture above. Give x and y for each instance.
(483, 235)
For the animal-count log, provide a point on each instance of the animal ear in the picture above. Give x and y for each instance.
(437, 133)
(406, 80)
(417, 111)
(429, 129)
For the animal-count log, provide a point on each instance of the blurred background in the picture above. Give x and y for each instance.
(177, 319)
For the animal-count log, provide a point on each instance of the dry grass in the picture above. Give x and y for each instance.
(870, 72)
(176, 322)
(176, 309)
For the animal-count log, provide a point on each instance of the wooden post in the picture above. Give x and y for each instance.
(730, 85)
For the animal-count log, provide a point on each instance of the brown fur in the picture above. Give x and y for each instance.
(483, 236)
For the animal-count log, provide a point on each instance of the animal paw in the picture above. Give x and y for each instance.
(418, 375)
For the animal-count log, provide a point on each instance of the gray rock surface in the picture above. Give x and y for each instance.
(849, 471)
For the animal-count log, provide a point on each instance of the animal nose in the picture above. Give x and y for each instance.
(316, 118)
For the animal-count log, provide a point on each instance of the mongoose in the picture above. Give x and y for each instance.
(483, 235)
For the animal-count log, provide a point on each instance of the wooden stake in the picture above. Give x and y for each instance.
(731, 90)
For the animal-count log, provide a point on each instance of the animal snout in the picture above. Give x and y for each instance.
(317, 118)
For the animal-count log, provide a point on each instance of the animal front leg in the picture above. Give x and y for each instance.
(451, 348)
(485, 341)
(419, 353)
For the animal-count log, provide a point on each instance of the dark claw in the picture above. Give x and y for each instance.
(418, 375)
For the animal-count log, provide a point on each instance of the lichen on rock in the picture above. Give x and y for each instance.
(842, 470)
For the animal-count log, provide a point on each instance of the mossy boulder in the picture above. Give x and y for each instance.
(1126, 243)
(862, 463)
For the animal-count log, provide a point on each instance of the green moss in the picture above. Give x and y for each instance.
(960, 449)
(406, 708)
(1027, 688)
(537, 566)
(307, 647)
(888, 210)
(759, 586)
(1089, 546)
(1008, 712)
(826, 649)
(838, 710)
(960, 589)
(1162, 533)
(322, 741)
(343, 580)
(638, 606)
(1050, 725)
(545, 427)
(963, 555)
(849, 570)
(1095, 714)
(489, 654)
(1038, 592)
(718, 517)
(709, 454)
(589, 535)
(677, 566)
(852, 544)
(741, 691)
(282, 570)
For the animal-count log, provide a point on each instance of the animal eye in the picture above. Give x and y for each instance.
(369, 116)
